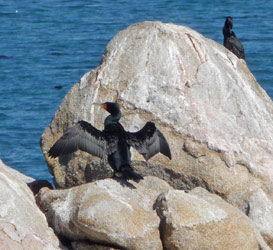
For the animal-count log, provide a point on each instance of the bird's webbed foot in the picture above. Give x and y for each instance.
(129, 174)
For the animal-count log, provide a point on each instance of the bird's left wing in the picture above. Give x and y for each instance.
(82, 136)
(149, 141)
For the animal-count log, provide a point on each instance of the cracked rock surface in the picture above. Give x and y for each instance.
(215, 116)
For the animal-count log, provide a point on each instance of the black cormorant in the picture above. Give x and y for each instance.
(231, 42)
(113, 143)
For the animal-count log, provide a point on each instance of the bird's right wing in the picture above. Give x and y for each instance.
(149, 141)
(82, 136)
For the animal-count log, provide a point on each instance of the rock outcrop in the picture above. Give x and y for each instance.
(22, 224)
(149, 216)
(216, 117)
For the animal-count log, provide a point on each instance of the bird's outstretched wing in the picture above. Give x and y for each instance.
(82, 136)
(149, 141)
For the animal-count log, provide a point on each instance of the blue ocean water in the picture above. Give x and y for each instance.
(48, 43)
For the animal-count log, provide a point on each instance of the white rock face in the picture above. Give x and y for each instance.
(106, 212)
(216, 117)
(22, 224)
(15, 173)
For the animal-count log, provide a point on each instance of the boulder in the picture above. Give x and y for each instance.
(200, 220)
(216, 117)
(106, 212)
(22, 224)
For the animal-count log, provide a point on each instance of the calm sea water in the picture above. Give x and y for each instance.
(48, 43)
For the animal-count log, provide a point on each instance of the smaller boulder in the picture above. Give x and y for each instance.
(201, 220)
(107, 212)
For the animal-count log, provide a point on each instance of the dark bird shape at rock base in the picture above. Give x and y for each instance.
(231, 42)
(113, 143)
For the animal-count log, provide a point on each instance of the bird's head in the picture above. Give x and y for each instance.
(112, 107)
(229, 22)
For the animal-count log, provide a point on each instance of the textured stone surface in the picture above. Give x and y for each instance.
(200, 220)
(106, 212)
(216, 117)
(261, 213)
(22, 224)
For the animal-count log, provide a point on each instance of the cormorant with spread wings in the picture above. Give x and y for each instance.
(113, 143)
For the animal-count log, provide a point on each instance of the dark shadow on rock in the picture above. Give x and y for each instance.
(179, 181)
(123, 182)
(97, 171)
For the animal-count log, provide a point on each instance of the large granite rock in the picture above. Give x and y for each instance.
(216, 117)
(106, 212)
(201, 220)
(22, 224)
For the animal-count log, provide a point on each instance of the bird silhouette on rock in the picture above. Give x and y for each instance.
(113, 143)
(231, 42)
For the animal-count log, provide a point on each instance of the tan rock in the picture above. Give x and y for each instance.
(22, 224)
(200, 220)
(216, 117)
(106, 212)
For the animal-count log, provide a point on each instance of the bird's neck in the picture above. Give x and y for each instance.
(116, 116)
(227, 31)
(112, 119)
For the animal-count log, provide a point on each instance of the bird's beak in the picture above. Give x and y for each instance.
(103, 105)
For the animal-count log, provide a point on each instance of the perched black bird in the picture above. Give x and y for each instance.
(113, 143)
(231, 42)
